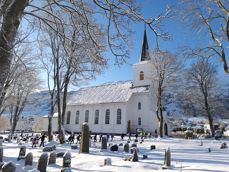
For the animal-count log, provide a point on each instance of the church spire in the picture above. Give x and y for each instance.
(145, 48)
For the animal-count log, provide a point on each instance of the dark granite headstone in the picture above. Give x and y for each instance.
(104, 143)
(135, 155)
(29, 159)
(84, 142)
(114, 148)
(42, 162)
(60, 154)
(66, 160)
(152, 147)
(52, 158)
(9, 167)
(144, 156)
(126, 148)
(22, 153)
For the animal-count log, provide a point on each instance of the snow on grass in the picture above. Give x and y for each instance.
(187, 155)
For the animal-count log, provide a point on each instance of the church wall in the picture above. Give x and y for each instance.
(147, 68)
(101, 127)
(147, 114)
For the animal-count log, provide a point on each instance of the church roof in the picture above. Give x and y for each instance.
(145, 48)
(106, 93)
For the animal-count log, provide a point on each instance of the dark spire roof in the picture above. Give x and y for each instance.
(145, 48)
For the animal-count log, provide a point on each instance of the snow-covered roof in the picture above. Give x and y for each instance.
(106, 93)
(54, 115)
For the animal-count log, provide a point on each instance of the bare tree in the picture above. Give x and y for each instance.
(23, 84)
(202, 76)
(71, 62)
(166, 68)
(117, 15)
(211, 16)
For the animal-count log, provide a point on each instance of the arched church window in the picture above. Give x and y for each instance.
(96, 116)
(139, 105)
(77, 117)
(119, 116)
(139, 121)
(141, 75)
(107, 116)
(86, 116)
(68, 117)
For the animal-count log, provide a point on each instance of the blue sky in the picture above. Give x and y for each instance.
(181, 36)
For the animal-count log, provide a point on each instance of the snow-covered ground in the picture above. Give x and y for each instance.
(187, 155)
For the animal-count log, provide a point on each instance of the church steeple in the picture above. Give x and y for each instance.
(145, 48)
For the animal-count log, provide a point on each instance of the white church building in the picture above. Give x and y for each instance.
(117, 107)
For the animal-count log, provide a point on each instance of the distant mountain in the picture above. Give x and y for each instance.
(38, 104)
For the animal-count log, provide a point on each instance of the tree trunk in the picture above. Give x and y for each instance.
(64, 100)
(50, 135)
(160, 111)
(60, 132)
(210, 119)
(161, 123)
(10, 24)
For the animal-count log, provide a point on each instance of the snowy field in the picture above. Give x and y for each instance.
(187, 155)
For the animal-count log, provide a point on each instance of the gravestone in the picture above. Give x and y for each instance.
(29, 159)
(66, 160)
(152, 147)
(134, 145)
(60, 154)
(135, 156)
(9, 167)
(114, 148)
(107, 161)
(136, 140)
(126, 148)
(84, 142)
(209, 150)
(128, 141)
(74, 146)
(104, 143)
(120, 144)
(42, 162)
(22, 153)
(1, 154)
(52, 158)
(54, 147)
(167, 159)
(223, 146)
(48, 149)
(144, 156)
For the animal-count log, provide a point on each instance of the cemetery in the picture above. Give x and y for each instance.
(127, 154)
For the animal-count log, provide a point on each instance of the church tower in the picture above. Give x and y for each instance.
(143, 70)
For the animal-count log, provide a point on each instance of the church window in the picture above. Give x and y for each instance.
(97, 116)
(139, 105)
(139, 121)
(68, 117)
(119, 116)
(107, 116)
(86, 116)
(77, 117)
(141, 77)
